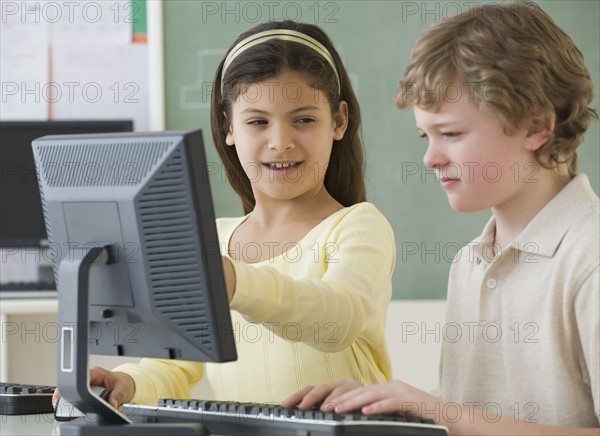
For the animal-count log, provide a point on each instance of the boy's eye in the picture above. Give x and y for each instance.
(422, 135)
(305, 120)
(451, 134)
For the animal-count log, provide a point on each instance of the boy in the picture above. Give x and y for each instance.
(526, 292)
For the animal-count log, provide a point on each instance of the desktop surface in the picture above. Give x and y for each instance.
(45, 424)
(41, 424)
(34, 425)
(9, 294)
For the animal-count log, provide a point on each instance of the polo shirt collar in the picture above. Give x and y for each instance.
(558, 215)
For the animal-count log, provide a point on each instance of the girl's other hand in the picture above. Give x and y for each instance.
(120, 386)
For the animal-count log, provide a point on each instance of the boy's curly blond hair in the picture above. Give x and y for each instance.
(512, 59)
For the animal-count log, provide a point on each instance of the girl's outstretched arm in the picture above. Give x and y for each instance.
(338, 289)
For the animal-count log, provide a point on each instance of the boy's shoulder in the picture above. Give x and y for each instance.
(570, 221)
(570, 218)
(582, 235)
(567, 228)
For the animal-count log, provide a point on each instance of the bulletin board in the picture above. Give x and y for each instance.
(75, 60)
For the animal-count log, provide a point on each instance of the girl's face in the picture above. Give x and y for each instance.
(283, 132)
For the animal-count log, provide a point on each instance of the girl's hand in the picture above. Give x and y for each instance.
(120, 386)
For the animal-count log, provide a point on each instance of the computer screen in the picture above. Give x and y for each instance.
(146, 197)
(158, 290)
(21, 218)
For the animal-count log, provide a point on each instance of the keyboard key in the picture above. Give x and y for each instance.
(28, 286)
(22, 399)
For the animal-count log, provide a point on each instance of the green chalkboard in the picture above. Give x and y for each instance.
(374, 39)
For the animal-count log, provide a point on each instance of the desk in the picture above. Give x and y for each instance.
(16, 425)
(28, 425)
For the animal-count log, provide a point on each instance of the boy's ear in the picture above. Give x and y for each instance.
(540, 128)
(340, 119)
(229, 135)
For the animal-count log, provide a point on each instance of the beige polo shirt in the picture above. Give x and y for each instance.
(522, 336)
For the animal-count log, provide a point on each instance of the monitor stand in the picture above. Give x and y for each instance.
(73, 318)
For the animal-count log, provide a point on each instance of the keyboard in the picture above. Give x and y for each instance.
(248, 419)
(28, 286)
(21, 399)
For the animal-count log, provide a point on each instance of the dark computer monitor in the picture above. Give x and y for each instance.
(136, 252)
(21, 218)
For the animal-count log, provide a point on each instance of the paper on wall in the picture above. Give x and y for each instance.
(101, 82)
(24, 65)
(91, 22)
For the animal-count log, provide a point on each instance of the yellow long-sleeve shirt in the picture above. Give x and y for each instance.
(312, 315)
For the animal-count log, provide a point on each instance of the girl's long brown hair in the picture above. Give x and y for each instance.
(344, 178)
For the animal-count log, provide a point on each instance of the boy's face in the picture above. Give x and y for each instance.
(476, 162)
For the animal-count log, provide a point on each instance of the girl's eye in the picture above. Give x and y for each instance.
(451, 134)
(423, 135)
(256, 122)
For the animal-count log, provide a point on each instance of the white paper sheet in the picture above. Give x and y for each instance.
(101, 82)
(24, 62)
(91, 22)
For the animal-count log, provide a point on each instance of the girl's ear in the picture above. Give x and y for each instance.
(340, 119)
(540, 128)
(229, 135)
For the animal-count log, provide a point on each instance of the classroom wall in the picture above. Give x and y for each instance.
(374, 38)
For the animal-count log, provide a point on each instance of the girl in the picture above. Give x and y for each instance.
(308, 268)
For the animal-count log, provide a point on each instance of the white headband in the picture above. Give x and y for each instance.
(282, 34)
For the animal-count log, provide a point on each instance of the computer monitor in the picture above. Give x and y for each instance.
(21, 218)
(132, 232)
